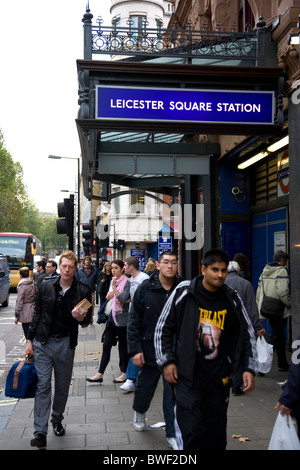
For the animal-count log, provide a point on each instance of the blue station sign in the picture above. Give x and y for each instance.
(178, 105)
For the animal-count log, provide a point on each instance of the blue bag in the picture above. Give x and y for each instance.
(22, 380)
(102, 318)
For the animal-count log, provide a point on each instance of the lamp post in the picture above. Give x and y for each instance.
(57, 157)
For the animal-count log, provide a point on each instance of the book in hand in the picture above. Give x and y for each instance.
(83, 306)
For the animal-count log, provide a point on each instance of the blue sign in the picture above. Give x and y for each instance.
(164, 244)
(184, 105)
(140, 255)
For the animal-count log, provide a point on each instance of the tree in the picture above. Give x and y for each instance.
(18, 213)
(53, 243)
(13, 197)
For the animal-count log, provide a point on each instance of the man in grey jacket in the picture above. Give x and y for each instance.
(245, 290)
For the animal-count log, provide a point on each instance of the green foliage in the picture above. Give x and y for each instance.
(13, 197)
(53, 243)
(18, 213)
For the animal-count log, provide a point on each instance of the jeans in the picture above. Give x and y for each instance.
(132, 371)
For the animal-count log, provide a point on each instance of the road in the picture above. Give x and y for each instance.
(12, 341)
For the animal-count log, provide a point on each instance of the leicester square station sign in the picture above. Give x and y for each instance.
(184, 105)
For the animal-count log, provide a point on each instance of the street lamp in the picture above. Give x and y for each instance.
(57, 157)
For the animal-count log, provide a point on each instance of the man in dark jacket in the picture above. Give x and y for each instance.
(41, 272)
(289, 401)
(202, 336)
(148, 302)
(52, 339)
(88, 274)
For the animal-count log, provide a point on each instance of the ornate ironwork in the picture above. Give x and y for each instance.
(173, 42)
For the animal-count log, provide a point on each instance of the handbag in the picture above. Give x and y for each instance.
(22, 380)
(271, 307)
(102, 317)
(264, 355)
(108, 307)
(284, 435)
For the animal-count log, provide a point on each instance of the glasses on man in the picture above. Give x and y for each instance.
(166, 262)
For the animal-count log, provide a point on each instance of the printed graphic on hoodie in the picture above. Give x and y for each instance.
(211, 325)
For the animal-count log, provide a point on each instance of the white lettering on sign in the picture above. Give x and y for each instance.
(136, 104)
(239, 107)
(190, 106)
(185, 106)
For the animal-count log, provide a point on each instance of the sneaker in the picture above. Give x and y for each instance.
(139, 421)
(40, 440)
(128, 386)
(171, 441)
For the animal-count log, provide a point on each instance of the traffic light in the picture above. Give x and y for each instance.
(88, 237)
(121, 245)
(65, 224)
(104, 236)
(95, 245)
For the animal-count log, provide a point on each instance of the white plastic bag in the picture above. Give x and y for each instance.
(264, 355)
(284, 435)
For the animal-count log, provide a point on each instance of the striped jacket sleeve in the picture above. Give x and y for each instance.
(166, 328)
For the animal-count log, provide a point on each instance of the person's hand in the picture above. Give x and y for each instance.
(138, 359)
(284, 410)
(76, 313)
(170, 373)
(261, 332)
(29, 348)
(248, 382)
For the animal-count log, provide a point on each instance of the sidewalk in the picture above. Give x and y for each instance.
(99, 417)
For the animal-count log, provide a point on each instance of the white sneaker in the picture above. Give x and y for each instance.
(171, 441)
(139, 421)
(128, 386)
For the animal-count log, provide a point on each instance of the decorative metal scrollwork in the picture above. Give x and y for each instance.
(172, 42)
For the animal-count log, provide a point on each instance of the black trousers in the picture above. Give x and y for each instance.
(201, 417)
(112, 335)
(278, 339)
(146, 384)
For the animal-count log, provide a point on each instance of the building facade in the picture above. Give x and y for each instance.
(246, 209)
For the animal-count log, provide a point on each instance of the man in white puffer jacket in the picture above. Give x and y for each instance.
(274, 282)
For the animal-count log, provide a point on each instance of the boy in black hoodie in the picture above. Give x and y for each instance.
(203, 336)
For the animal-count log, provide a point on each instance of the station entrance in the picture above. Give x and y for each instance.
(165, 154)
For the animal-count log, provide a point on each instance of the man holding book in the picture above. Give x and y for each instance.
(52, 339)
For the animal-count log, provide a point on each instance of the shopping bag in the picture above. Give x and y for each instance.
(284, 435)
(21, 380)
(264, 355)
(108, 307)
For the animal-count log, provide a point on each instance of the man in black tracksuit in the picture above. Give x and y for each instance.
(203, 336)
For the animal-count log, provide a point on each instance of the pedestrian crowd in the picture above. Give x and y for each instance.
(199, 335)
